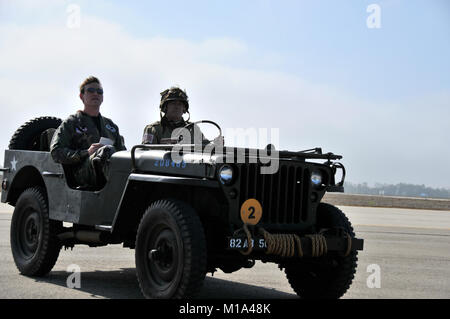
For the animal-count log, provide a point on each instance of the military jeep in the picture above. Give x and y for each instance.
(186, 212)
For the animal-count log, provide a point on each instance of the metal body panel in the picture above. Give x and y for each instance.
(161, 162)
(99, 207)
(159, 180)
(188, 181)
(285, 196)
(63, 201)
(67, 204)
(16, 161)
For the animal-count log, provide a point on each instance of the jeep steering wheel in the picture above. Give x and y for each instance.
(206, 121)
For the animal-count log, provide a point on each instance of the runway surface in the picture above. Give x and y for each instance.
(410, 248)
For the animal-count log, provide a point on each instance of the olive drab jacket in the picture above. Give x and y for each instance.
(153, 133)
(77, 133)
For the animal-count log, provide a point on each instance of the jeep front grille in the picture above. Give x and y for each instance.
(284, 196)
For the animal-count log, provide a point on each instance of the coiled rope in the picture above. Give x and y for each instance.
(287, 245)
(318, 245)
(282, 244)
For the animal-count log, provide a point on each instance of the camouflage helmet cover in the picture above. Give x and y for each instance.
(173, 94)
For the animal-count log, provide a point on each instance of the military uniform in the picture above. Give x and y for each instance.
(73, 138)
(165, 128)
(153, 133)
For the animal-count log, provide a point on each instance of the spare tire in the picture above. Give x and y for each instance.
(28, 136)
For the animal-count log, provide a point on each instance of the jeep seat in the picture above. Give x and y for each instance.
(46, 139)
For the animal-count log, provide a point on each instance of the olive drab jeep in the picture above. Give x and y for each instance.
(186, 212)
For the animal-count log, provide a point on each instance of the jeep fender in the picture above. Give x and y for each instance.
(143, 189)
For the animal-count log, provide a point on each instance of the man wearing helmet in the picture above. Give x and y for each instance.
(174, 103)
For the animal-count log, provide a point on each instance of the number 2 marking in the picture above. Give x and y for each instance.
(251, 209)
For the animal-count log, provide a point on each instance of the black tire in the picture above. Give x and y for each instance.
(177, 266)
(330, 276)
(34, 244)
(27, 137)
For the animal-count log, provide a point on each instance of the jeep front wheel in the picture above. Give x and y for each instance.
(170, 251)
(329, 276)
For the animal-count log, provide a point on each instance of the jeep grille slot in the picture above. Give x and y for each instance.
(282, 195)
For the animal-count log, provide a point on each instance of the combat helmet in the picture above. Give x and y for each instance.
(173, 94)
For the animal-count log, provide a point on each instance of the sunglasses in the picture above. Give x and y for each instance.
(92, 90)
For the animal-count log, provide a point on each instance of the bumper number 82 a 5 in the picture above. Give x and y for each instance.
(240, 243)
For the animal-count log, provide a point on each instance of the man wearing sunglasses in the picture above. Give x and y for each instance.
(86, 140)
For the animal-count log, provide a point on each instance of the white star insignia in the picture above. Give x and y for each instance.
(13, 164)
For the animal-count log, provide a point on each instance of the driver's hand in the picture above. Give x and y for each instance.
(94, 147)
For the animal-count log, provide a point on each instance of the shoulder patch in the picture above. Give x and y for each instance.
(80, 129)
(148, 138)
(111, 128)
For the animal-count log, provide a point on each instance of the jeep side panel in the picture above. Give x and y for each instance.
(31, 168)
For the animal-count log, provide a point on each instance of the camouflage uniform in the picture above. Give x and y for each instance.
(72, 140)
(165, 128)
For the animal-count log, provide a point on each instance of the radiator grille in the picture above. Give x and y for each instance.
(283, 195)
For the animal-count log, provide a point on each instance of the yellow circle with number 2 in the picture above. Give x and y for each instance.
(251, 211)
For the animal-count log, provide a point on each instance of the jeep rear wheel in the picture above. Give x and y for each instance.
(330, 276)
(34, 244)
(170, 251)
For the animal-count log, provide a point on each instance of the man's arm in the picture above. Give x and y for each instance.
(120, 141)
(150, 136)
(121, 145)
(60, 148)
(198, 136)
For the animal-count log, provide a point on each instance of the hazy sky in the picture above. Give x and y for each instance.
(370, 84)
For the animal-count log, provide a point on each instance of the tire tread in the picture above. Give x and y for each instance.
(48, 250)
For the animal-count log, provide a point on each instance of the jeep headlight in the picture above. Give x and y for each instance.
(226, 174)
(316, 178)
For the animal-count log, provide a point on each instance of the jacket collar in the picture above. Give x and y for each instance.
(166, 122)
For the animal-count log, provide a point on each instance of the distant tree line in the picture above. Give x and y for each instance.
(402, 189)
